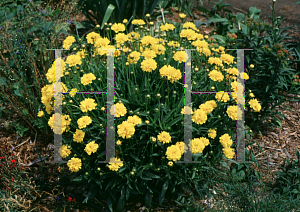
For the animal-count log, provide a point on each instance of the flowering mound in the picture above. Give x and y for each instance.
(149, 110)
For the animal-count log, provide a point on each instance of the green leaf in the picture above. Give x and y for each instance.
(109, 203)
(149, 174)
(2, 81)
(19, 8)
(163, 191)
(220, 38)
(107, 15)
(297, 153)
(254, 13)
(127, 191)
(216, 18)
(170, 124)
(135, 158)
(148, 199)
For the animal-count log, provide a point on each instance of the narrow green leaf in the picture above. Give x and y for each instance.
(107, 15)
(163, 191)
(148, 199)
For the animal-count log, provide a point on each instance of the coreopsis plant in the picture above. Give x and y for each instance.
(149, 110)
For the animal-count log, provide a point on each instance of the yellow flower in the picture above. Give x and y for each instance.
(81, 54)
(74, 164)
(216, 76)
(189, 25)
(164, 137)
(65, 122)
(68, 42)
(189, 34)
(167, 27)
(227, 58)
(199, 116)
(173, 153)
(212, 133)
(133, 57)
(87, 78)
(133, 36)
(84, 122)
(73, 60)
(234, 112)
(51, 71)
(181, 145)
(252, 95)
(135, 120)
(87, 105)
(153, 139)
(92, 37)
(214, 60)
(102, 52)
(78, 136)
(170, 163)
(180, 56)
(40, 113)
(148, 65)
(173, 44)
(251, 66)
(254, 104)
(118, 27)
(121, 38)
(222, 97)
(91, 148)
(158, 48)
(125, 21)
(73, 92)
(208, 106)
(148, 40)
(118, 110)
(126, 130)
(101, 42)
(246, 77)
(197, 145)
(232, 71)
(149, 54)
(182, 15)
(226, 140)
(119, 142)
(200, 44)
(138, 22)
(228, 152)
(113, 166)
(186, 110)
(65, 152)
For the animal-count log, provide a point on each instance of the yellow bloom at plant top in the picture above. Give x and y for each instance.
(173, 153)
(51, 71)
(212, 133)
(84, 121)
(87, 105)
(216, 76)
(228, 152)
(135, 120)
(167, 27)
(189, 25)
(181, 145)
(182, 15)
(126, 130)
(149, 54)
(254, 104)
(65, 152)
(138, 22)
(74, 164)
(73, 92)
(227, 58)
(65, 123)
(222, 97)
(118, 27)
(164, 137)
(40, 113)
(92, 37)
(214, 60)
(68, 42)
(78, 136)
(197, 145)
(87, 78)
(148, 65)
(118, 110)
(186, 110)
(180, 56)
(133, 57)
(199, 116)
(234, 112)
(121, 38)
(113, 166)
(91, 148)
(101, 42)
(226, 140)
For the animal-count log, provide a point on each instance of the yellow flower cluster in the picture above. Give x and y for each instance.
(91, 148)
(74, 164)
(133, 57)
(189, 25)
(118, 27)
(227, 58)
(197, 145)
(164, 137)
(226, 142)
(216, 76)
(214, 60)
(138, 22)
(78, 136)
(115, 166)
(167, 27)
(175, 152)
(73, 60)
(84, 121)
(68, 42)
(65, 152)
(180, 56)
(118, 110)
(171, 73)
(222, 97)
(126, 129)
(51, 71)
(87, 105)
(65, 123)
(234, 112)
(148, 65)
(212, 133)
(87, 78)
(254, 104)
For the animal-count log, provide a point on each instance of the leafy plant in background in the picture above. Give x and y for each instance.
(20, 129)
(287, 181)
(26, 32)
(113, 11)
